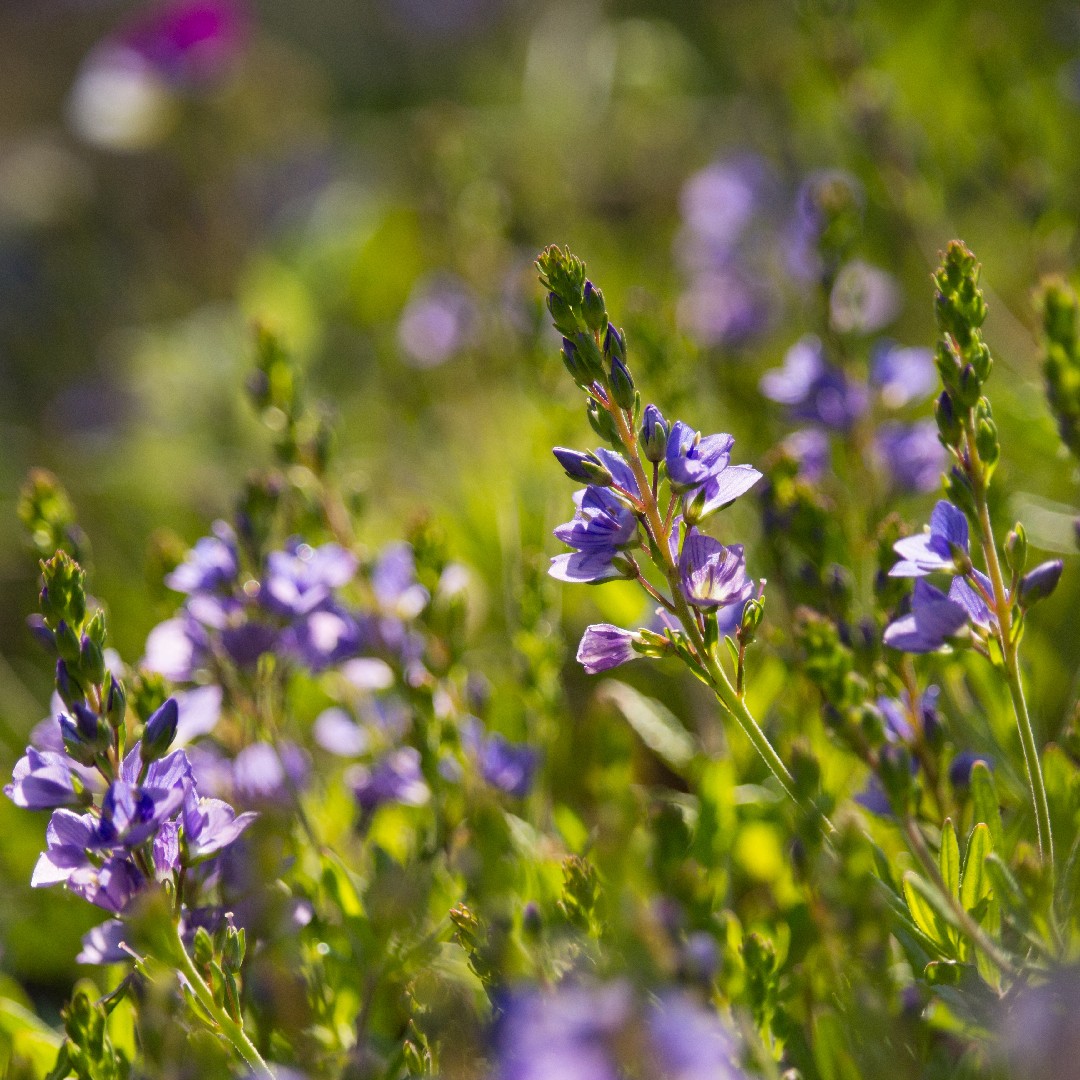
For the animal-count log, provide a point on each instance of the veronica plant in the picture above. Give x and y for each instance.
(987, 606)
(640, 514)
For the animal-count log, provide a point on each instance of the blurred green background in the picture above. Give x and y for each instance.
(373, 179)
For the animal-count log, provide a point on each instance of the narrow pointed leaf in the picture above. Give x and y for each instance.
(949, 858)
(984, 802)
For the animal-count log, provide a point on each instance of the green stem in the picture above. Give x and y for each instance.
(1010, 649)
(718, 679)
(226, 1025)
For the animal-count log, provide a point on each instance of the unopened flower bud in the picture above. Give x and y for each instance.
(562, 315)
(115, 703)
(654, 434)
(160, 731)
(1016, 548)
(582, 467)
(947, 421)
(67, 686)
(1039, 583)
(593, 308)
(614, 344)
(622, 385)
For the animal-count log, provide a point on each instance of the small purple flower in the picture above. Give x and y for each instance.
(211, 565)
(322, 638)
(809, 447)
(265, 774)
(210, 825)
(934, 618)
(713, 576)
(814, 390)
(912, 453)
(604, 646)
(393, 579)
(933, 551)
(699, 467)
(43, 780)
(110, 886)
(301, 578)
(131, 815)
(689, 1042)
(103, 944)
(902, 375)
(726, 306)
(508, 766)
(602, 523)
(691, 459)
(336, 731)
(396, 777)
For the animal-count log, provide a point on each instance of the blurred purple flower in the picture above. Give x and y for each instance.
(813, 390)
(912, 453)
(508, 766)
(396, 777)
(212, 564)
(810, 448)
(188, 43)
(725, 307)
(438, 322)
(336, 731)
(262, 773)
(301, 578)
(902, 375)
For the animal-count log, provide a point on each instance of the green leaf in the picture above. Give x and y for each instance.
(657, 727)
(949, 858)
(923, 912)
(976, 882)
(984, 802)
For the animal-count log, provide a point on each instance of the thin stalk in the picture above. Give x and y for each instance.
(721, 684)
(226, 1025)
(1010, 648)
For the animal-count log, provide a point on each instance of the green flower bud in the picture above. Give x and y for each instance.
(622, 385)
(1016, 547)
(594, 309)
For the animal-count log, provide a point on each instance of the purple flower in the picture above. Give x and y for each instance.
(691, 459)
(110, 886)
(601, 527)
(43, 780)
(699, 466)
(189, 42)
(809, 447)
(902, 375)
(713, 576)
(102, 945)
(934, 618)
(322, 638)
(262, 773)
(396, 777)
(335, 730)
(932, 551)
(912, 453)
(601, 523)
(131, 815)
(177, 649)
(301, 578)
(726, 306)
(67, 838)
(210, 825)
(604, 646)
(719, 203)
(814, 390)
(211, 565)
(508, 766)
(604, 1032)
(689, 1042)
(393, 580)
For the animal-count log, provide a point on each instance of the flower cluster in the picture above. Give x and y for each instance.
(824, 395)
(142, 817)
